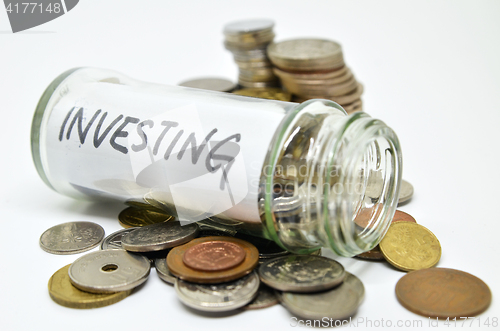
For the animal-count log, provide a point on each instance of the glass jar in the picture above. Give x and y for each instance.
(304, 175)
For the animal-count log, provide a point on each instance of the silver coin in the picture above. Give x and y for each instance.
(210, 83)
(266, 297)
(406, 192)
(160, 236)
(338, 303)
(248, 26)
(109, 271)
(301, 273)
(218, 297)
(268, 249)
(71, 238)
(114, 240)
(163, 271)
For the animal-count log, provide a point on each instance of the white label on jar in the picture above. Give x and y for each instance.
(197, 150)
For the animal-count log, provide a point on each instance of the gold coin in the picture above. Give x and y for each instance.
(64, 293)
(178, 268)
(265, 93)
(410, 246)
(133, 217)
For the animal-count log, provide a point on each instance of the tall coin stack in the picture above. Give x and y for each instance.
(248, 41)
(315, 69)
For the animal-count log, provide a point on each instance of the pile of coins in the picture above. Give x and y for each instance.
(248, 41)
(315, 69)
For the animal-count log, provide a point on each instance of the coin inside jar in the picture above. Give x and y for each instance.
(214, 256)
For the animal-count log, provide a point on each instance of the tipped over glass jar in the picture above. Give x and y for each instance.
(299, 174)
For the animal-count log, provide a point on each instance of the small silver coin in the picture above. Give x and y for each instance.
(109, 271)
(210, 83)
(248, 26)
(71, 238)
(160, 236)
(163, 271)
(218, 297)
(301, 273)
(406, 192)
(266, 297)
(338, 303)
(114, 240)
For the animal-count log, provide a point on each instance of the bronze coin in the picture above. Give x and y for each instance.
(443, 293)
(214, 256)
(363, 218)
(178, 268)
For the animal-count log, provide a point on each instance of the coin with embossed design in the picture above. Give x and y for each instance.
(302, 273)
(338, 303)
(180, 269)
(214, 256)
(160, 236)
(218, 297)
(64, 293)
(443, 293)
(410, 246)
(71, 238)
(109, 271)
(114, 240)
(136, 217)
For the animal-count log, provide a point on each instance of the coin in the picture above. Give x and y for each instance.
(71, 238)
(443, 293)
(272, 93)
(268, 249)
(213, 256)
(367, 216)
(179, 269)
(405, 193)
(338, 303)
(266, 297)
(306, 54)
(312, 75)
(210, 83)
(218, 297)
(64, 293)
(114, 240)
(353, 107)
(134, 217)
(248, 26)
(410, 246)
(373, 254)
(160, 236)
(109, 271)
(301, 273)
(163, 271)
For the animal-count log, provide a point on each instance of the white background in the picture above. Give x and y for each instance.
(431, 71)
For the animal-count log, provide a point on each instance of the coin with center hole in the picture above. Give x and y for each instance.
(178, 268)
(109, 271)
(214, 256)
(338, 303)
(160, 236)
(71, 238)
(218, 297)
(64, 293)
(301, 273)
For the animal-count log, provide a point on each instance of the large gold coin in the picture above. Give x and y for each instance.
(133, 217)
(410, 246)
(272, 93)
(64, 293)
(178, 268)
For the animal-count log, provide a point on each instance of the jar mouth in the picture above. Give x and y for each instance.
(359, 207)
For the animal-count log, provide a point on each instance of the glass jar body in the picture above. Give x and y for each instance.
(200, 154)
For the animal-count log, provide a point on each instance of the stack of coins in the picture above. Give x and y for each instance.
(315, 69)
(248, 40)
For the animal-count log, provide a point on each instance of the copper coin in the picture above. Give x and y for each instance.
(367, 216)
(363, 218)
(443, 293)
(178, 268)
(214, 256)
